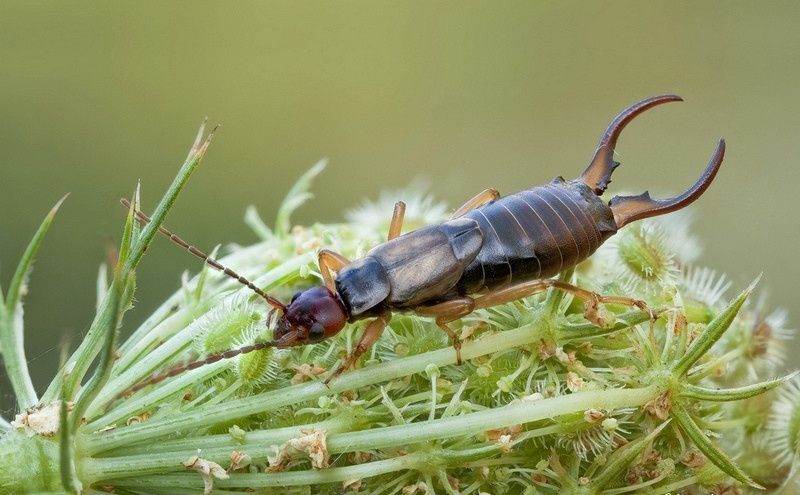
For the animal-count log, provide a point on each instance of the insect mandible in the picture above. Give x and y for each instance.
(492, 250)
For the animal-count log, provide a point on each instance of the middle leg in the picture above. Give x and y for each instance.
(445, 313)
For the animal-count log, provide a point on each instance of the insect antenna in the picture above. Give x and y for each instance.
(213, 358)
(144, 219)
(181, 368)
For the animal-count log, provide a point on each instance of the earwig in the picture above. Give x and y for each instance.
(493, 250)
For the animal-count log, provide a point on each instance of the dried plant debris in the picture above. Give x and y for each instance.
(41, 420)
(208, 471)
(311, 444)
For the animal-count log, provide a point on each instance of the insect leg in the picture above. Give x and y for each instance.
(370, 335)
(529, 288)
(329, 261)
(480, 199)
(445, 313)
(397, 219)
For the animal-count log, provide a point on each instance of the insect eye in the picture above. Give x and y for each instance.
(317, 331)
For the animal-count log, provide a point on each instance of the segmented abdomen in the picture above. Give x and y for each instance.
(536, 234)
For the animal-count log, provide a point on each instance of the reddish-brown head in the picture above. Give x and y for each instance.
(313, 315)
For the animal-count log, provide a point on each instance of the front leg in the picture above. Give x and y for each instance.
(329, 261)
(370, 335)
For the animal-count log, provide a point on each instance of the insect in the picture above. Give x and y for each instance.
(493, 250)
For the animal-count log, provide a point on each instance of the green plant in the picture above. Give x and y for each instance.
(546, 402)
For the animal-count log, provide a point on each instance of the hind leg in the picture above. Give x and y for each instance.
(591, 299)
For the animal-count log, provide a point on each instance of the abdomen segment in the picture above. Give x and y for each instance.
(535, 234)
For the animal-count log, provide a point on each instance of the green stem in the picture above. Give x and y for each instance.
(423, 461)
(100, 377)
(154, 460)
(79, 362)
(16, 365)
(145, 399)
(388, 437)
(290, 478)
(489, 419)
(225, 442)
(65, 448)
(272, 400)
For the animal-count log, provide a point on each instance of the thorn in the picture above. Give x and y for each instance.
(320, 165)
(660, 428)
(204, 147)
(754, 283)
(56, 206)
(199, 138)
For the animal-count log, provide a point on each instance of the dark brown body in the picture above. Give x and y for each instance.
(498, 249)
(532, 234)
(536, 234)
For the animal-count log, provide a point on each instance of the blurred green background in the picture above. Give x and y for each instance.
(97, 95)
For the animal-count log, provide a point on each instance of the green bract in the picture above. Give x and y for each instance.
(545, 402)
